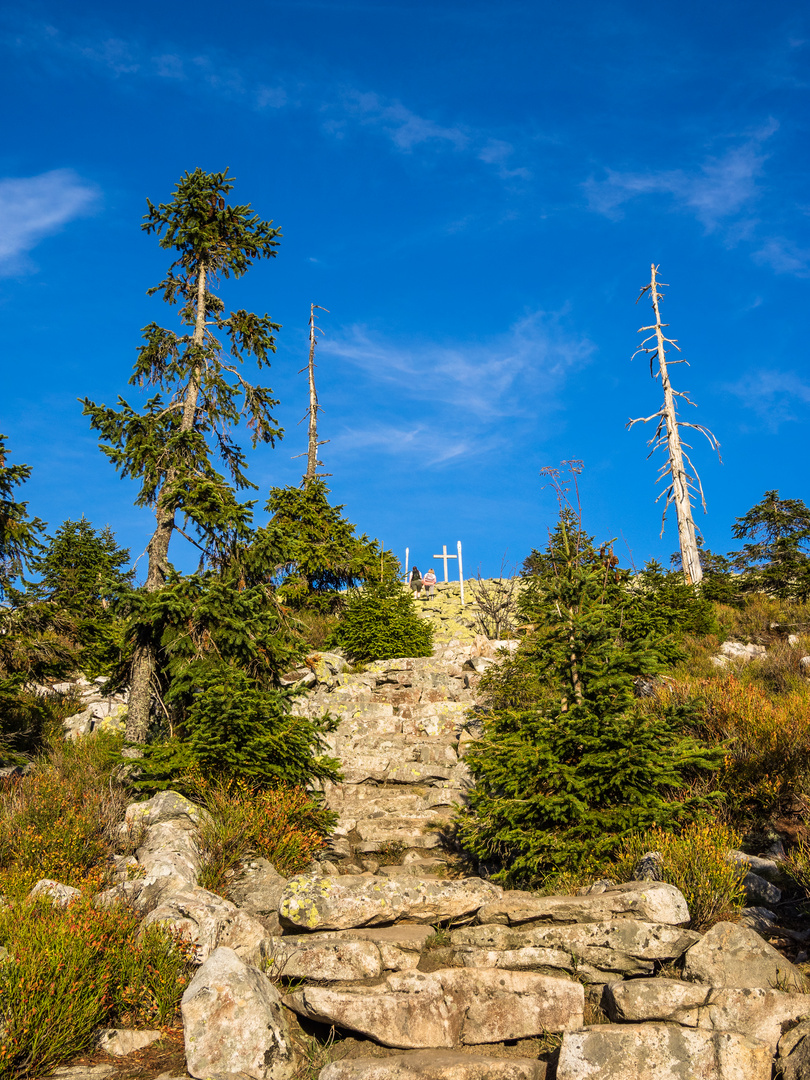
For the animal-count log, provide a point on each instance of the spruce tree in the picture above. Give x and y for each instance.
(81, 572)
(320, 556)
(179, 441)
(19, 533)
(560, 782)
(777, 558)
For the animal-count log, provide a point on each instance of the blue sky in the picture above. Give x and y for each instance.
(475, 191)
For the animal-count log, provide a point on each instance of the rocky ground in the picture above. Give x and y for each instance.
(385, 962)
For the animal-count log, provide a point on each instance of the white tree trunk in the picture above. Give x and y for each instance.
(690, 557)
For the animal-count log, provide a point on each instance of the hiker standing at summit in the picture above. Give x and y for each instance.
(429, 581)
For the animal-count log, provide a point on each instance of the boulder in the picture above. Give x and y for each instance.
(318, 957)
(234, 1023)
(122, 1041)
(59, 894)
(347, 954)
(760, 891)
(435, 1065)
(257, 890)
(207, 921)
(592, 949)
(752, 1011)
(732, 955)
(655, 902)
(661, 1052)
(416, 1010)
(793, 1061)
(165, 806)
(346, 901)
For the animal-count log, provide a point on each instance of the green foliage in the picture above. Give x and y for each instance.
(34, 637)
(286, 826)
(232, 728)
(776, 560)
(81, 573)
(695, 860)
(381, 622)
(180, 446)
(176, 460)
(74, 970)
(561, 782)
(19, 534)
(319, 556)
(662, 608)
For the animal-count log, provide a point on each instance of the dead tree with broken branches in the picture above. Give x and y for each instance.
(668, 434)
(314, 408)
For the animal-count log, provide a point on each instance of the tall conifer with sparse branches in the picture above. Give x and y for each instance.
(180, 444)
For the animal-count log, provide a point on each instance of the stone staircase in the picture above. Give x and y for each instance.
(401, 737)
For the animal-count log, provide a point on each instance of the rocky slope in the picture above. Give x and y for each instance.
(424, 973)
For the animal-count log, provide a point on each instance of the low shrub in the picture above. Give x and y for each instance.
(380, 622)
(797, 866)
(72, 970)
(286, 826)
(766, 738)
(60, 820)
(695, 861)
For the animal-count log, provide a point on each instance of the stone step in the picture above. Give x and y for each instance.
(435, 1065)
(379, 768)
(369, 800)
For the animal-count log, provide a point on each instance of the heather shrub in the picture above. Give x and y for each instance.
(286, 826)
(60, 819)
(797, 865)
(72, 970)
(696, 862)
(765, 739)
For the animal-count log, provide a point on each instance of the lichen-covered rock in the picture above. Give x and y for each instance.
(447, 1008)
(234, 1023)
(661, 1052)
(655, 902)
(732, 955)
(346, 901)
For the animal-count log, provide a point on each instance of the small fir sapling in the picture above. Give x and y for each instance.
(381, 622)
(560, 783)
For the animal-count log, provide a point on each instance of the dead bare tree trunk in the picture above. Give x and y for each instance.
(314, 407)
(667, 433)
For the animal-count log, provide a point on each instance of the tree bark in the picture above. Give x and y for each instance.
(144, 658)
(312, 449)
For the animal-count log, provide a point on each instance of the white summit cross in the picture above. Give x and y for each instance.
(444, 557)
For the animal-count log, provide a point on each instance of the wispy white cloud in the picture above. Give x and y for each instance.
(515, 374)
(452, 400)
(775, 396)
(784, 257)
(34, 207)
(718, 190)
(420, 442)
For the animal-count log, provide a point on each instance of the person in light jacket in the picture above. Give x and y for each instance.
(415, 581)
(429, 581)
